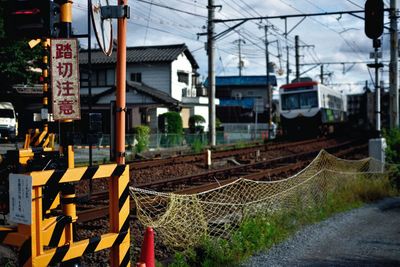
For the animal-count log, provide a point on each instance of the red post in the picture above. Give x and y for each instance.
(147, 253)
(121, 88)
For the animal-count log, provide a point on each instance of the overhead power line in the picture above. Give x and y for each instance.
(171, 8)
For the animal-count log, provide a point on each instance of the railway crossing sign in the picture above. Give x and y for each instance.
(65, 79)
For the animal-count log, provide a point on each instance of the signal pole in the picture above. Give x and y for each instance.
(393, 68)
(374, 24)
(45, 86)
(211, 71)
(66, 142)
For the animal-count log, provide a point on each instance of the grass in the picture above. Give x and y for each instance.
(261, 232)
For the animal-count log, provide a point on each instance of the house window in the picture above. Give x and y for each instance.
(110, 76)
(101, 78)
(183, 77)
(136, 77)
(84, 79)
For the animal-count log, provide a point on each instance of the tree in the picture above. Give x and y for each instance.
(16, 57)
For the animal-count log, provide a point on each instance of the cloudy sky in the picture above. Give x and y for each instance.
(324, 39)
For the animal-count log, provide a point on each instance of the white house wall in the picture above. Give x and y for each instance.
(180, 64)
(154, 113)
(154, 75)
(203, 111)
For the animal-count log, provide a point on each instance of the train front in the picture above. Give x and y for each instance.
(299, 109)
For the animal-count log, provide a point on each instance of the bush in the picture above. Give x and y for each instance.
(142, 135)
(393, 145)
(393, 153)
(171, 124)
(194, 124)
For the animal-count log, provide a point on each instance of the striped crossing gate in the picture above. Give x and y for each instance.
(49, 240)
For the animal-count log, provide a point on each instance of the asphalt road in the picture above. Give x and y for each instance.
(368, 236)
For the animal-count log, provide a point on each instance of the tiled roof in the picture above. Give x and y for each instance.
(252, 80)
(141, 54)
(156, 94)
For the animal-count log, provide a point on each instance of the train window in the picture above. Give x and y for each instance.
(290, 101)
(299, 101)
(335, 102)
(308, 100)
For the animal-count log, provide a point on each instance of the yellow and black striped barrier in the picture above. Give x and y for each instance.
(49, 240)
(37, 138)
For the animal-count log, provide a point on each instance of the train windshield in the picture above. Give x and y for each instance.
(299, 101)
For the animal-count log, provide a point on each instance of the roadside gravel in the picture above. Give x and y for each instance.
(368, 236)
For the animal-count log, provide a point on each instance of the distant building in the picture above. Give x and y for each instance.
(242, 98)
(361, 110)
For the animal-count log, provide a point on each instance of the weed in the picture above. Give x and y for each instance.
(197, 145)
(262, 231)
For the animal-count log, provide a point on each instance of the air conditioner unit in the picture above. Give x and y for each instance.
(188, 93)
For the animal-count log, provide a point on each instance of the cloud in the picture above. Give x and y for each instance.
(336, 38)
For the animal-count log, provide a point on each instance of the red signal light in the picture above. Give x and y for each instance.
(27, 12)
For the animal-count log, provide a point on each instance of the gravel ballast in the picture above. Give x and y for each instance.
(367, 236)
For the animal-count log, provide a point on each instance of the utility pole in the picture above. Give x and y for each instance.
(211, 71)
(287, 53)
(296, 41)
(240, 63)
(269, 87)
(297, 55)
(393, 66)
(322, 73)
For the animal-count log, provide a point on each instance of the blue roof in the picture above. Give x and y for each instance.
(253, 80)
(244, 103)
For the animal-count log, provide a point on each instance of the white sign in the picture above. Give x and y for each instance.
(65, 79)
(20, 188)
(44, 114)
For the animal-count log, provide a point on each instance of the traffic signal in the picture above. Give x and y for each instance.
(32, 19)
(373, 18)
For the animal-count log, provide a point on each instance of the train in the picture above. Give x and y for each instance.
(309, 108)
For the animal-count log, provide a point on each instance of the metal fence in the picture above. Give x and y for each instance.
(158, 142)
(161, 140)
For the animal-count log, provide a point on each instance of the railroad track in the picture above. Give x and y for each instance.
(218, 154)
(176, 183)
(269, 169)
